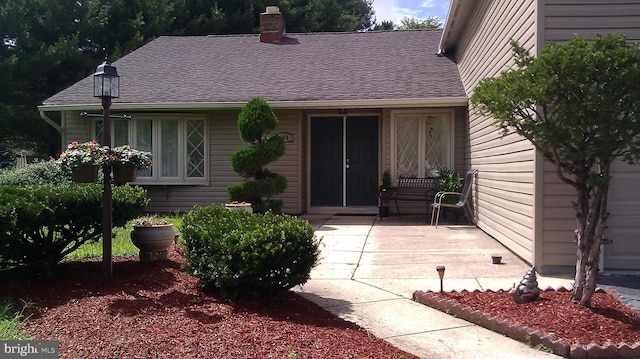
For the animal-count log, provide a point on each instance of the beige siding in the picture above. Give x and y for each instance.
(78, 128)
(504, 195)
(223, 140)
(562, 20)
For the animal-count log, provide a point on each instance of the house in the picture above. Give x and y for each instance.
(352, 105)
(519, 199)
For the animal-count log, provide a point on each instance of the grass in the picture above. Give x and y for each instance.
(121, 244)
(11, 320)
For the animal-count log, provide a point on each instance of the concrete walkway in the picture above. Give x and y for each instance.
(370, 268)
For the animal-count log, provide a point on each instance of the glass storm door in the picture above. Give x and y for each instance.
(344, 161)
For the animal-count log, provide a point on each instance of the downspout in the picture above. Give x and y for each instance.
(52, 123)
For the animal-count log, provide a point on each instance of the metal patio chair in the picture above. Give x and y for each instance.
(464, 199)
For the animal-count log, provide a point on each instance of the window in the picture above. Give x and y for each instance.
(178, 144)
(420, 143)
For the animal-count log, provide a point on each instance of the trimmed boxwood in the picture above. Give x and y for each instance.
(41, 224)
(248, 255)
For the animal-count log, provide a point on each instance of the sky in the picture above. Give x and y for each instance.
(396, 10)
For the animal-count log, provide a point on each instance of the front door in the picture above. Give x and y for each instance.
(344, 161)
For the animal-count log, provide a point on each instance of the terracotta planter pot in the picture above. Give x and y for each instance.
(85, 174)
(124, 174)
(153, 241)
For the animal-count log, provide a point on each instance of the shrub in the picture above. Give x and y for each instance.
(248, 255)
(36, 173)
(41, 224)
(255, 120)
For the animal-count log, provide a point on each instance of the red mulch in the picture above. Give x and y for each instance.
(607, 320)
(154, 310)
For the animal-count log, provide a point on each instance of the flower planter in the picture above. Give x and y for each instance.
(124, 174)
(153, 241)
(239, 206)
(85, 174)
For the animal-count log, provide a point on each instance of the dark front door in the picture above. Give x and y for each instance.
(344, 161)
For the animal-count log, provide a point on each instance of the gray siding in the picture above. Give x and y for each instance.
(505, 187)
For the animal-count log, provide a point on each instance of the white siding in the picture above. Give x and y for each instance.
(505, 192)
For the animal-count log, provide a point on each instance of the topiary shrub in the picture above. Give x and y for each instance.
(261, 185)
(36, 173)
(248, 255)
(41, 224)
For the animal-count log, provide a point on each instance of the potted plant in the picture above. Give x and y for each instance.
(126, 162)
(450, 181)
(83, 159)
(153, 238)
(384, 193)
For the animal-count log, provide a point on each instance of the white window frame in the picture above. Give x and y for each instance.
(423, 117)
(156, 178)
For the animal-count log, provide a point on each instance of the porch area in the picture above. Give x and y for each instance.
(370, 267)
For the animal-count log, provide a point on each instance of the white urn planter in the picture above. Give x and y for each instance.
(153, 241)
(239, 206)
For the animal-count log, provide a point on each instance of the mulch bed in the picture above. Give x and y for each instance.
(155, 310)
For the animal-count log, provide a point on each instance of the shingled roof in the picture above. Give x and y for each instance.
(311, 68)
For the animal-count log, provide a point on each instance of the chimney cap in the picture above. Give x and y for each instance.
(272, 10)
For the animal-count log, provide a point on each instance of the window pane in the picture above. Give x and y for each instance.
(120, 135)
(144, 132)
(437, 138)
(169, 150)
(98, 129)
(195, 148)
(407, 145)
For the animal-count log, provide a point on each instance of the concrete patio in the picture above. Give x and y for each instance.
(370, 268)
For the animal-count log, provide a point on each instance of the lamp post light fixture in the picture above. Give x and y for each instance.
(440, 270)
(106, 86)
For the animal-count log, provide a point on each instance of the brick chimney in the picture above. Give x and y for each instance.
(272, 27)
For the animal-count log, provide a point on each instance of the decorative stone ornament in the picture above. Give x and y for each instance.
(527, 290)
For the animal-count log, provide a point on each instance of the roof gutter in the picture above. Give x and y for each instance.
(48, 120)
(326, 104)
(458, 12)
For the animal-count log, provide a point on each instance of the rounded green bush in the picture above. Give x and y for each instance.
(41, 224)
(248, 255)
(36, 173)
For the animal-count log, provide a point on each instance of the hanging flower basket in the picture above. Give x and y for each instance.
(85, 174)
(124, 174)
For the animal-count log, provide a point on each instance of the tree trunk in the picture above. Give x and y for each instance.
(591, 215)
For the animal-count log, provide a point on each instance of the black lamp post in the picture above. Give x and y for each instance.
(106, 85)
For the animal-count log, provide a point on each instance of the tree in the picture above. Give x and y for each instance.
(432, 22)
(254, 122)
(578, 104)
(49, 45)
(384, 25)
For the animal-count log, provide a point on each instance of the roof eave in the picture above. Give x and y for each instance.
(459, 11)
(328, 104)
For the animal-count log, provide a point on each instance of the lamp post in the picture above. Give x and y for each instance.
(106, 85)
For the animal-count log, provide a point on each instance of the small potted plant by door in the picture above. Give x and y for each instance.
(83, 160)
(126, 162)
(153, 238)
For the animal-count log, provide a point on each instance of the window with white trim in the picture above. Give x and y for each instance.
(420, 142)
(178, 143)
